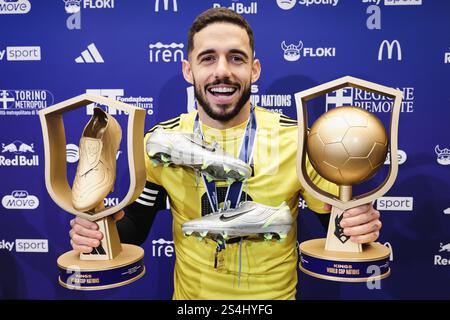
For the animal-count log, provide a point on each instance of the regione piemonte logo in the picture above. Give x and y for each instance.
(91, 55)
(14, 6)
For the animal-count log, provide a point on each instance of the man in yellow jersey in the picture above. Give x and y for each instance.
(222, 67)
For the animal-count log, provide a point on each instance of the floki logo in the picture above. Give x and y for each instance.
(18, 153)
(443, 155)
(162, 247)
(293, 52)
(14, 6)
(91, 55)
(20, 199)
(241, 8)
(439, 260)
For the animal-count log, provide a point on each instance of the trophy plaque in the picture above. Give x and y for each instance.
(346, 146)
(111, 264)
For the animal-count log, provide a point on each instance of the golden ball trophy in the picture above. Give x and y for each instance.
(346, 146)
(111, 264)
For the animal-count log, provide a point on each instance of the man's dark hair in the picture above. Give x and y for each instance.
(215, 15)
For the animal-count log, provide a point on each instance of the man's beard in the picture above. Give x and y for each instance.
(225, 115)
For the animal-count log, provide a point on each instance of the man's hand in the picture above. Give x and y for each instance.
(84, 234)
(361, 223)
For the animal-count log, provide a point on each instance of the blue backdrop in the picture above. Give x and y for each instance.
(51, 50)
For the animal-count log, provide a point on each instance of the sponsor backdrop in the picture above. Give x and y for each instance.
(132, 50)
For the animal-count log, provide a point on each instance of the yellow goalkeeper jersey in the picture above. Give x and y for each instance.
(268, 268)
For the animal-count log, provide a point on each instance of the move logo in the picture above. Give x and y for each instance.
(389, 48)
(240, 7)
(18, 153)
(439, 260)
(15, 6)
(369, 101)
(401, 157)
(21, 53)
(162, 247)
(395, 203)
(443, 155)
(24, 102)
(159, 52)
(20, 199)
(90, 55)
(145, 103)
(293, 52)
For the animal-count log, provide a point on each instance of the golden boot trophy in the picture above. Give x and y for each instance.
(111, 264)
(346, 146)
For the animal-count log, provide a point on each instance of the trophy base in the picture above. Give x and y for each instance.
(369, 265)
(78, 274)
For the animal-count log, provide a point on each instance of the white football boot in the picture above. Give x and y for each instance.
(189, 150)
(248, 219)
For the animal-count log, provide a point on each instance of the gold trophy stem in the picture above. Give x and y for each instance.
(110, 245)
(345, 193)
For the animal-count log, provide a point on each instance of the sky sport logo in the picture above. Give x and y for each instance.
(90, 55)
(25, 245)
(18, 154)
(160, 52)
(162, 247)
(402, 2)
(24, 102)
(395, 203)
(14, 6)
(21, 53)
(20, 199)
